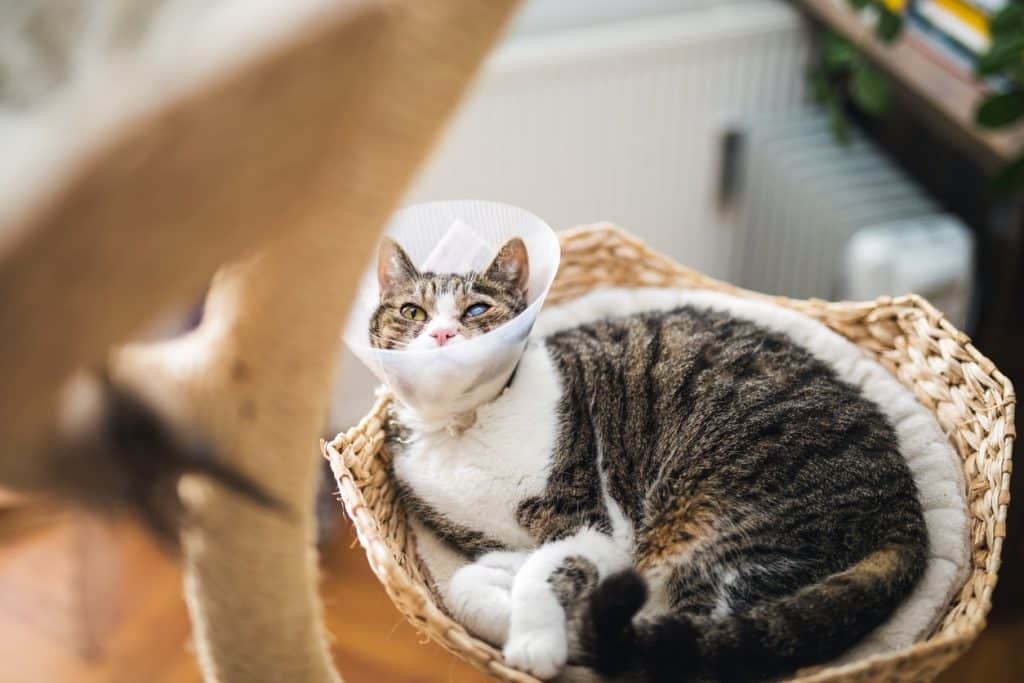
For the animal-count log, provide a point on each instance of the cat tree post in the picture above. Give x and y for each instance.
(324, 136)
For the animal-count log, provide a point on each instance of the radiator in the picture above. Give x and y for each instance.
(803, 197)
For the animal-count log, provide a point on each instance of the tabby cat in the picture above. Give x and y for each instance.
(674, 494)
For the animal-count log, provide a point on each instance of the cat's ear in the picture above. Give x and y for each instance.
(393, 266)
(511, 265)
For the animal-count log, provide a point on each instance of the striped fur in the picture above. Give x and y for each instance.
(769, 493)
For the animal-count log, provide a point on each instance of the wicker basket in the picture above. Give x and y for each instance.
(972, 400)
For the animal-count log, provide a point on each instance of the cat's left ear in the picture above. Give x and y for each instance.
(511, 265)
(393, 266)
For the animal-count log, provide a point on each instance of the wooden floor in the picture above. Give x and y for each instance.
(69, 612)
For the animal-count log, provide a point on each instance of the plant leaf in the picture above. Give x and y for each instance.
(869, 90)
(889, 26)
(1001, 109)
(838, 124)
(838, 53)
(1011, 177)
(819, 85)
(859, 4)
(1008, 20)
(1005, 50)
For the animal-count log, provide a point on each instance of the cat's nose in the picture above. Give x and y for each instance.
(443, 336)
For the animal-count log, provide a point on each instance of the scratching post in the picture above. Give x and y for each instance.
(295, 158)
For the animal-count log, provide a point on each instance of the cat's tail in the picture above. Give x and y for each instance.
(811, 626)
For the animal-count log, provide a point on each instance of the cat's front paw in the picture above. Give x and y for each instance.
(541, 652)
(478, 595)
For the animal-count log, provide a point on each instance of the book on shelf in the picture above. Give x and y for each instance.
(951, 34)
(989, 7)
(956, 32)
(925, 26)
(897, 6)
(960, 21)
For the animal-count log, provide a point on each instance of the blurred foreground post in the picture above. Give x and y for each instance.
(302, 153)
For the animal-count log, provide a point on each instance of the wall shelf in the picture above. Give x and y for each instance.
(945, 97)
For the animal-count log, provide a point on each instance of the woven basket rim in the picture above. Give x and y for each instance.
(904, 333)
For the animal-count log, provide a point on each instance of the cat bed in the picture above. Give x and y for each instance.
(971, 400)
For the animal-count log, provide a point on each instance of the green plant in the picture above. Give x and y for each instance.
(841, 74)
(888, 25)
(1005, 62)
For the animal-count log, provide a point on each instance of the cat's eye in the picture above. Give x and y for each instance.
(475, 310)
(413, 312)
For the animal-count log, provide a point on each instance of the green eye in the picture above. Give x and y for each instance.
(475, 310)
(413, 312)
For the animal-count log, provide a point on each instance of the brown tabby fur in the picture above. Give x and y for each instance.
(769, 495)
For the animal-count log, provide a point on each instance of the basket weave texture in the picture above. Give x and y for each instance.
(973, 402)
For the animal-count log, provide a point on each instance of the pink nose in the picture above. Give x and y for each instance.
(443, 336)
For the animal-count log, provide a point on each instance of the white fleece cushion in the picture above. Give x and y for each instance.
(935, 466)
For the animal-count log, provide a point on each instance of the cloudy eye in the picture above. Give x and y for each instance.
(475, 310)
(413, 312)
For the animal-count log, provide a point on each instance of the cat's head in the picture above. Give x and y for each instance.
(427, 310)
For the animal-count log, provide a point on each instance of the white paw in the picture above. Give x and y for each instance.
(478, 596)
(542, 652)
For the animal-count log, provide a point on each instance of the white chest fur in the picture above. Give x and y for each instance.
(478, 478)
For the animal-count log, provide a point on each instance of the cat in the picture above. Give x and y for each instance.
(671, 494)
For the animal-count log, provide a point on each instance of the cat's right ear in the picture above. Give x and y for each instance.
(393, 266)
(511, 265)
